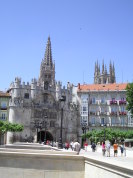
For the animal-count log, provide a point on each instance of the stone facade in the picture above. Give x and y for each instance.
(104, 105)
(39, 101)
(4, 112)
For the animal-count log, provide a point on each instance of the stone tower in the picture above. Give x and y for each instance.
(104, 77)
(47, 69)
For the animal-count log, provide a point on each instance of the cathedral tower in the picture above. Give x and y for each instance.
(47, 69)
(104, 77)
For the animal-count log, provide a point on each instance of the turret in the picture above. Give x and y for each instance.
(33, 88)
(17, 86)
(58, 90)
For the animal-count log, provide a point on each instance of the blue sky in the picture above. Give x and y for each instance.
(81, 32)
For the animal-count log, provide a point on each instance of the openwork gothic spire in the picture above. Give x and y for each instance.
(47, 69)
(48, 54)
(103, 67)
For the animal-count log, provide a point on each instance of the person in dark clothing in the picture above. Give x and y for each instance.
(93, 146)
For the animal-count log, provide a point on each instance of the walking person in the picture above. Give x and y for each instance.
(85, 146)
(115, 146)
(77, 147)
(103, 148)
(122, 149)
(93, 146)
(108, 149)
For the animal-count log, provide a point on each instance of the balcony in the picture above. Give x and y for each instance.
(113, 102)
(3, 108)
(118, 125)
(103, 103)
(94, 103)
(113, 113)
(122, 102)
(103, 113)
(122, 113)
(92, 113)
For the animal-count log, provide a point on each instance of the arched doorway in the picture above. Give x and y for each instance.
(42, 135)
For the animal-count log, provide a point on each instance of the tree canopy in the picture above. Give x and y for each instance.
(110, 134)
(12, 127)
(129, 98)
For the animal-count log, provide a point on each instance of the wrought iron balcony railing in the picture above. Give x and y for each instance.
(113, 102)
(122, 102)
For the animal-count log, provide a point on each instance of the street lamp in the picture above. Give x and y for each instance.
(40, 127)
(62, 99)
(45, 126)
(84, 127)
(104, 131)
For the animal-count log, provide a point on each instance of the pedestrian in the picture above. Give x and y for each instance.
(85, 146)
(115, 146)
(67, 145)
(103, 148)
(122, 149)
(77, 147)
(108, 149)
(93, 146)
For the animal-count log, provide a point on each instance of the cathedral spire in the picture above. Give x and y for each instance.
(48, 54)
(113, 70)
(113, 73)
(110, 68)
(95, 73)
(99, 69)
(47, 69)
(103, 67)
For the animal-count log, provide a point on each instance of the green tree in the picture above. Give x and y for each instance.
(12, 127)
(110, 134)
(129, 98)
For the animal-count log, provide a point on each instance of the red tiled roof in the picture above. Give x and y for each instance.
(102, 87)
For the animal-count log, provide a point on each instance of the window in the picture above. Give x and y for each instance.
(113, 109)
(93, 100)
(122, 99)
(84, 108)
(122, 109)
(122, 121)
(26, 95)
(102, 110)
(102, 100)
(92, 120)
(102, 121)
(3, 116)
(3, 105)
(84, 119)
(113, 121)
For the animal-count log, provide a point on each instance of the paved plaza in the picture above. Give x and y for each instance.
(123, 161)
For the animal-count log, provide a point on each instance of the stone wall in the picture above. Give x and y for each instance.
(29, 165)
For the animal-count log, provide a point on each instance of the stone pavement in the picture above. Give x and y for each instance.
(123, 161)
